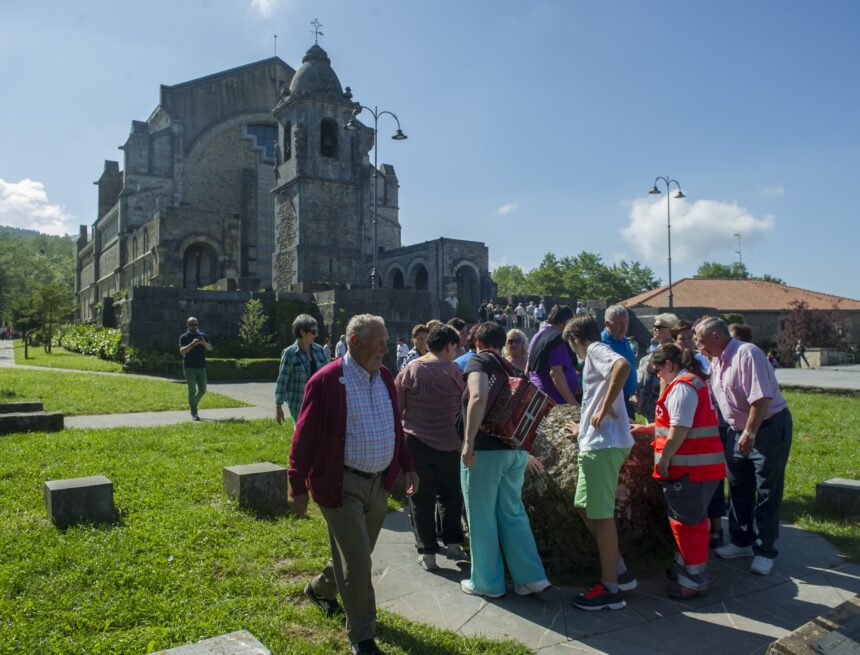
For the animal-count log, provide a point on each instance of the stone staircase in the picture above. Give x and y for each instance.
(28, 417)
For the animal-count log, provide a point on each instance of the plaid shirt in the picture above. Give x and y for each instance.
(369, 419)
(294, 373)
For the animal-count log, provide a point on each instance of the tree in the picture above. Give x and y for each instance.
(546, 279)
(254, 336)
(24, 312)
(54, 301)
(815, 328)
(510, 280)
(772, 278)
(735, 270)
(633, 278)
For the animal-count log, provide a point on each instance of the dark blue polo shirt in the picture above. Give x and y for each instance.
(196, 357)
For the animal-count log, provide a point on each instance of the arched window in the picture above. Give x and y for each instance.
(198, 266)
(421, 281)
(395, 279)
(328, 138)
(288, 141)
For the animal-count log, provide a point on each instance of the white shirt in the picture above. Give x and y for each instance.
(613, 432)
(340, 349)
(402, 351)
(682, 402)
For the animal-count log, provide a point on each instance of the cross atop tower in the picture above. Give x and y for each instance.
(316, 30)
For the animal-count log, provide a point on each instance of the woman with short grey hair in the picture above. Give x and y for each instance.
(298, 363)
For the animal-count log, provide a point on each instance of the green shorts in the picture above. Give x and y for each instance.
(598, 480)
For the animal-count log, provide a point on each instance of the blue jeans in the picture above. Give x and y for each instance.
(492, 491)
(756, 484)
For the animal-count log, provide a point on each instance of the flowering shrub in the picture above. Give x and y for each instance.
(105, 343)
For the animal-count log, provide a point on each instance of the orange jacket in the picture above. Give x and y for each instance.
(701, 454)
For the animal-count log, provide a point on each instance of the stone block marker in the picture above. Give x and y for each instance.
(839, 497)
(259, 487)
(234, 643)
(31, 422)
(79, 499)
(836, 632)
(25, 406)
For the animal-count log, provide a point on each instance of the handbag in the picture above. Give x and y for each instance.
(516, 407)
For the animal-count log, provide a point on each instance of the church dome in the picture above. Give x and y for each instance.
(315, 76)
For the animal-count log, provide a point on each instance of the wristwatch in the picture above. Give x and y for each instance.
(750, 435)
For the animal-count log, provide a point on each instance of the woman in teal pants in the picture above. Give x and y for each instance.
(492, 476)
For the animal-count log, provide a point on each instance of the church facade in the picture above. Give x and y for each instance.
(247, 179)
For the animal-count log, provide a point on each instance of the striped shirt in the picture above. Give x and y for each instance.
(369, 419)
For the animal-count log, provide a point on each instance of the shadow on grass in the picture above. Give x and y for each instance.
(797, 506)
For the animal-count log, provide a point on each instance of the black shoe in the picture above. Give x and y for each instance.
(598, 598)
(366, 647)
(195, 417)
(627, 581)
(328, 605)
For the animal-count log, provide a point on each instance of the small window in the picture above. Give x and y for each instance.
(134, 248)
(287, 146)
(145, 241)
(328, 138)
(265, 137)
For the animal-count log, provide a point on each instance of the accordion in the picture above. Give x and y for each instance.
(515, 408)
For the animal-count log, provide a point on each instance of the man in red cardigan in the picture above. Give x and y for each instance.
(348, 450)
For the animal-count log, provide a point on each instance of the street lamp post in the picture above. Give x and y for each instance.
(655, 191)
(352, 126)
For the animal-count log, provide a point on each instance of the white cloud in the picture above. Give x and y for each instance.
(618, 257)
(264, 8)
(25, 204)
(774, 191)
(699, 228)
(507, 209)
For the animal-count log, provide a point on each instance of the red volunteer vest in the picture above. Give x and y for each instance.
(701, 454)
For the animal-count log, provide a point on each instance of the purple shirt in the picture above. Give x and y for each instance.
(558, 356)
(740, 376)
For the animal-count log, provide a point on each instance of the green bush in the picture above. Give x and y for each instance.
(242, 369)
(105, 343)
(153, 361)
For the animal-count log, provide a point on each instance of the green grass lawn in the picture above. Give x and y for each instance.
(825, 444)
(62, 358)
(182, 563)
(76, 394)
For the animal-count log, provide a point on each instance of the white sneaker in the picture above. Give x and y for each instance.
(456, 553)
(532, 587)
(761, 565)
(730, 551)
(467, 588)
(427, 561)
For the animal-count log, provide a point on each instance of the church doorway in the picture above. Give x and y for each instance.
(467, 293)
(198, 266)
(395, 279)
(421, 278)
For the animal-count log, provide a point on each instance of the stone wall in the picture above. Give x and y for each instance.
(401, 308)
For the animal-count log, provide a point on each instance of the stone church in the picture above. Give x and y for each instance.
(247, 180)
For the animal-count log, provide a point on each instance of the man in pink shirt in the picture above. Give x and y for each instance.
(758, 444)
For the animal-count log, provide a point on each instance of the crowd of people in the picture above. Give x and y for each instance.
(709, 397)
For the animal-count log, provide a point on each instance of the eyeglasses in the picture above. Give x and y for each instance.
(661, 327)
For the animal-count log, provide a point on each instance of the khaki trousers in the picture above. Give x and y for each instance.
(352, 529)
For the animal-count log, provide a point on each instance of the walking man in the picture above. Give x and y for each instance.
(348, 450)
(757, 445)
(193, 346)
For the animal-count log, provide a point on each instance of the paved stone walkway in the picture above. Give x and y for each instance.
(743, 613)
(834, 378)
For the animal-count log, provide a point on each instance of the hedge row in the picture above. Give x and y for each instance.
(104, 343)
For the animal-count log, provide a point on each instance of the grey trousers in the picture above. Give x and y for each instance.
(352, 529)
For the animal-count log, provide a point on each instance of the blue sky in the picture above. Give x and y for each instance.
(533, 126)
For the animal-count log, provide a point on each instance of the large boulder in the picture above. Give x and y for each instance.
(566, 546)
